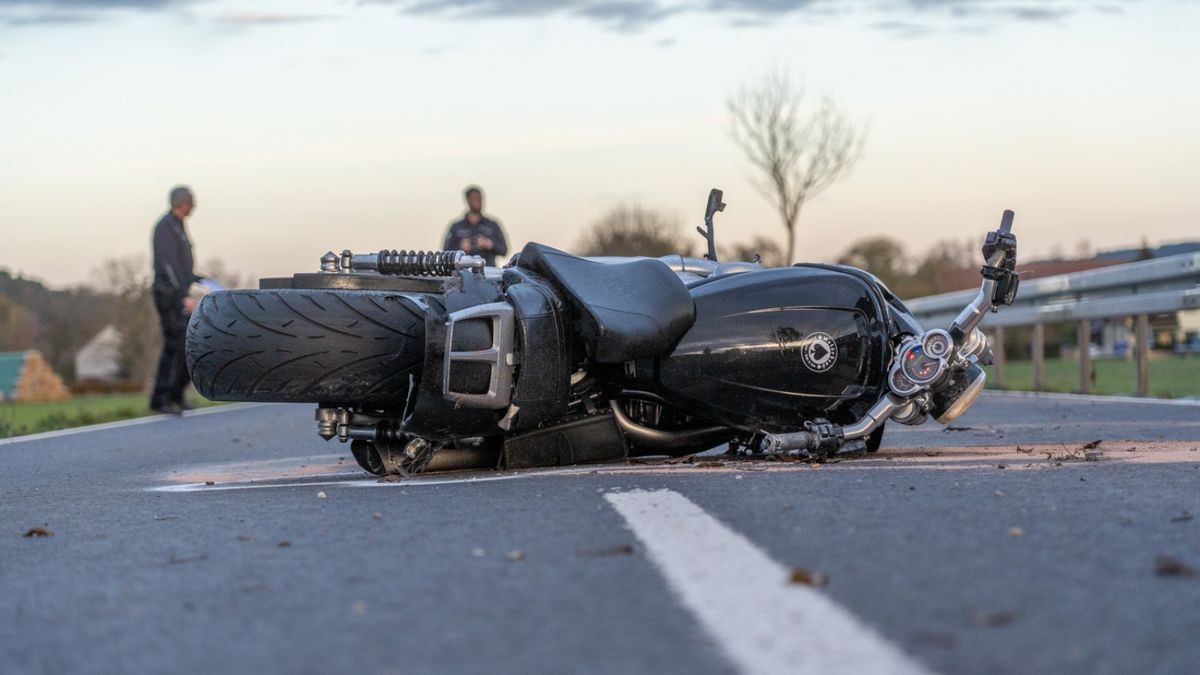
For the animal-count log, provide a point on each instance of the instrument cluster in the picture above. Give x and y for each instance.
(922, 361)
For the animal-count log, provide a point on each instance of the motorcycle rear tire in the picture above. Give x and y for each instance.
(306, 345)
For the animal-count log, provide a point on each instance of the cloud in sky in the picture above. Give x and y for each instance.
(18, 13)
(903, 17)
(907, 18)
(85, 4)
(247, 19)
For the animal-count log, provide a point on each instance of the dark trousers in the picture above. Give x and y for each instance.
(172, 377)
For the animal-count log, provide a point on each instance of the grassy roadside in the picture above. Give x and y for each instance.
(1170, 376)
(18, 419)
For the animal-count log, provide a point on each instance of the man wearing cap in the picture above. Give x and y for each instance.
(475, 233)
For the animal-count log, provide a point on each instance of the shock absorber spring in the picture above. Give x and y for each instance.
(418, 263)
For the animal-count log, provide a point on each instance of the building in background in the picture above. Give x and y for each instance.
(100, 359)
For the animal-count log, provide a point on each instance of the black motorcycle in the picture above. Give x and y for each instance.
(427, 361)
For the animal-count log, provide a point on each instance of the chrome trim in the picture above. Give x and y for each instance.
(499, 356)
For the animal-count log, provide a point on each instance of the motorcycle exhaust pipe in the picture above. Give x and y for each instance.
(671, 443)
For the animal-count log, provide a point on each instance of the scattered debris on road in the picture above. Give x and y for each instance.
(38, 532)
(1087, 452)
(606, 551)
(515, 555)
(284, 544)
(802, 576)
(244, 537)
(1170, 566)
(1182, 517)
(183, 561)
(321, 495)
(377, 516)
(166, 517)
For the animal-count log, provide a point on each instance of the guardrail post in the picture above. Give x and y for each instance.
(1085, 356)
(1038, 347)
(998, 355)
(1142, 337)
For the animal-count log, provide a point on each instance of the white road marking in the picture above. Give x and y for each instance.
(120, 424)
(1090, 398)
(744, 600)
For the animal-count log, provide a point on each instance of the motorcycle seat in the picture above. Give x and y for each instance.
(627, 311)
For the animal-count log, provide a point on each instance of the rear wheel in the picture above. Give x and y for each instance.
(306, 345)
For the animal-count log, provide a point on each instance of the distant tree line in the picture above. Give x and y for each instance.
(636, 230)
(59, 322)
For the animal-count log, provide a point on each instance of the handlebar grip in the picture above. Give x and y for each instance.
(1006, 221)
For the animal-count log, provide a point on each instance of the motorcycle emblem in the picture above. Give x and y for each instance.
(820, 352)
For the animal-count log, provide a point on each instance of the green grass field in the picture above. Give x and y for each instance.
(1170, 376)
(17, 419)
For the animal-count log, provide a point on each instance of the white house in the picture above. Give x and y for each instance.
(99, 359)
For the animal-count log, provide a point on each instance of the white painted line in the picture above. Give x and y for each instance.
(1089, 398)
(120, 424)
(744, 600)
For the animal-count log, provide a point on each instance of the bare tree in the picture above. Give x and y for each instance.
(18, 326)
(128, 279)
(217, 270)
(634, 230)
(884, 257)
(797, 150)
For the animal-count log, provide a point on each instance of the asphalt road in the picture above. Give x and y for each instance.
(949, 551)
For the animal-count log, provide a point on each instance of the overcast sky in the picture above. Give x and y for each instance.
(314, 125)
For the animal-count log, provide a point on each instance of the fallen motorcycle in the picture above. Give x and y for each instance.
(428, 361)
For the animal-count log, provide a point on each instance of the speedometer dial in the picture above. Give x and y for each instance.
(918, 366)
(901, 384)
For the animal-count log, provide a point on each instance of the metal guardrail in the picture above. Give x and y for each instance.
(1136, 290)
(1149, 287)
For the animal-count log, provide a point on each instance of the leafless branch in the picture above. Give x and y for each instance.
(796, 150)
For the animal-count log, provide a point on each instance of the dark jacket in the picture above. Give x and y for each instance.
(172, 262)
(463, 230)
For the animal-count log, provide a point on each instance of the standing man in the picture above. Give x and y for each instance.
(172, 277)
(476, 234)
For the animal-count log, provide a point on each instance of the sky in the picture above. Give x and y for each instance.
(311, 125)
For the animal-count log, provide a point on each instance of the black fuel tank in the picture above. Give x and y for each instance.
(771, 349)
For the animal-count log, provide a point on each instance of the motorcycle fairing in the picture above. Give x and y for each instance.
(626, 311)
(544, 344)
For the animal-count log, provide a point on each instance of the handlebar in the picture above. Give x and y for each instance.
(1006, 222)
(1000, 253)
